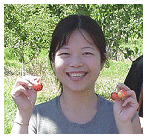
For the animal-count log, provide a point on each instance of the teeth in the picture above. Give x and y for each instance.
(76, 75)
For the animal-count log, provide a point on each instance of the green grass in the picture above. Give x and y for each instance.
(106, 83)
(110, 77)
(9, 105)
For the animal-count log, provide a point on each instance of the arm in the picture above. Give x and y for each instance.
(24, 97)
(20, 124)
(133, 127)
(125, 128)
(136, 125)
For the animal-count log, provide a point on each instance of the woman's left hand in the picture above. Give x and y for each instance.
(124, 109)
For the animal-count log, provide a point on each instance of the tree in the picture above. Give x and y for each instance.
(28, 27)
(119, 23)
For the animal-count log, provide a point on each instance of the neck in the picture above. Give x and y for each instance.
(79, 107)
(79, 100)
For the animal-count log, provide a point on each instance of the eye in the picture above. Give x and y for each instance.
(87, 53)
(66, 54)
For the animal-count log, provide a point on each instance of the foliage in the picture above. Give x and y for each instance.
(120, 22)
(28, 27)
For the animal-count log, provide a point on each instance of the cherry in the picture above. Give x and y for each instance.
(37, 87)
(114, 96)
(120, 95)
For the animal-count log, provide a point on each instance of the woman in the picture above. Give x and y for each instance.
(77, 54)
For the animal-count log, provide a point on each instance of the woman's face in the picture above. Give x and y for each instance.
(78, 64)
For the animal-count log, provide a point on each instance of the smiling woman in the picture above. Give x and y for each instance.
(77, 54)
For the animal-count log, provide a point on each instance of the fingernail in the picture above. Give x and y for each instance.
(30, 87)
(123, 104)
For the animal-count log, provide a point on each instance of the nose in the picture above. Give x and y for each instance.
(76, 62)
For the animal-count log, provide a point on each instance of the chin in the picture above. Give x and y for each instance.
(79, 88)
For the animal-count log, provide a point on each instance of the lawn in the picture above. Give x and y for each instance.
(106, 83)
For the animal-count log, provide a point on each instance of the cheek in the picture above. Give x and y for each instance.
(95, 62)
(59, 65)
(95, 66)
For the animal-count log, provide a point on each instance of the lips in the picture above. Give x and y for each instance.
(77, 76)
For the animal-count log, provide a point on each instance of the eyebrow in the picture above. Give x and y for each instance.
(88, 47)
(64, 47)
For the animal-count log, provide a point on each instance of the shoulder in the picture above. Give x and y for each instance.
(43, 116)
(43, 108)
(105, 103)
(105, 116)
(105, 107)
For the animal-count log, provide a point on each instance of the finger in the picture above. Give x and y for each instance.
(121, 86)
(132, 94)
(32, 79)
(18, 91)
(130, 101)
(23, 82)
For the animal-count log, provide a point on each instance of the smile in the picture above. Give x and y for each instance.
(77, 76)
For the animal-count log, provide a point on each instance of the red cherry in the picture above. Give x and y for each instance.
(37, 87)
(122, 93)
(114, 96)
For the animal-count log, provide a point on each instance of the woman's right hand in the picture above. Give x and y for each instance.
(24, 96)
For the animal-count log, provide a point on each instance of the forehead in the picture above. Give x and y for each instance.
(81, 34)
(79, 38)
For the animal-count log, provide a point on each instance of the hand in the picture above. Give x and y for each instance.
(23, 94)
(124, 109)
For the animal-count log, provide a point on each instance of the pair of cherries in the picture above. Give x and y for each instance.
(120, 95)
(114, 96)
